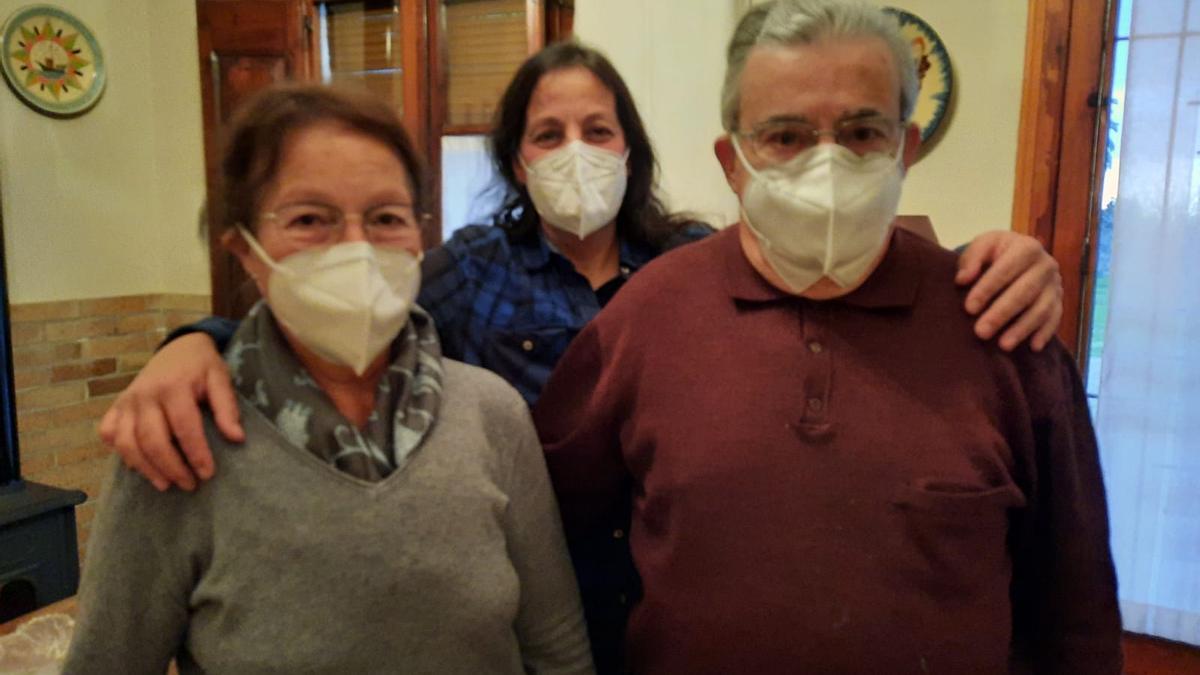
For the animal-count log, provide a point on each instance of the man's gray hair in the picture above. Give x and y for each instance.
(801, 22)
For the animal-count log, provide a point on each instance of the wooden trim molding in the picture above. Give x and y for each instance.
(1040, 128)
(1068, 63)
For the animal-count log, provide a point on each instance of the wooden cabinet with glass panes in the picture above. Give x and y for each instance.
(442, 63)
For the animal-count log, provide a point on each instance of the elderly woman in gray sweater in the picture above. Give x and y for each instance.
(389, 510)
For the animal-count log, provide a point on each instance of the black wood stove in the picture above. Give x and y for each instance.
(39, 559)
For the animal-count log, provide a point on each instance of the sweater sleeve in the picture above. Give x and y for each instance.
(218, 328)
(1066, 617)
(137, 580)
(445, 295)
(549, 626)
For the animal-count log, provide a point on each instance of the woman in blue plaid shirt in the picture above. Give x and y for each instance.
(579, 216)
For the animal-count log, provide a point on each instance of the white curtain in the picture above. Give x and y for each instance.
(1148, 418)
(467, 177)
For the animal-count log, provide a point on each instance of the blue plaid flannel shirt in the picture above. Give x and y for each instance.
(512, 305)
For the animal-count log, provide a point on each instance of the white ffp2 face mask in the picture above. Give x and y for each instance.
(346, 302)
(578, 188)
(825, 213)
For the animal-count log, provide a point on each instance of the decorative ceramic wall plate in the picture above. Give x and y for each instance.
(51, 60)
(933, 69)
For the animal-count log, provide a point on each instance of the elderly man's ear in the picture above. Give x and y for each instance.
(912, 144)
(727, 156)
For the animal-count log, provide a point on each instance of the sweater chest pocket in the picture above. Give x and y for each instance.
(952, 535)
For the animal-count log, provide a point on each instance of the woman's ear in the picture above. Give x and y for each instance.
(233, 241)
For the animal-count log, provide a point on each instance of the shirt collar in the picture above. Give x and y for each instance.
(894, 283)
(534, 253)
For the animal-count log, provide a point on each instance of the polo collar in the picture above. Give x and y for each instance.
(894, 283)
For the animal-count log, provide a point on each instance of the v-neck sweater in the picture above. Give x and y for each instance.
(281, 563)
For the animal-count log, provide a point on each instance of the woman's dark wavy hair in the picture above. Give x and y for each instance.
(260, 129)
(642, 216)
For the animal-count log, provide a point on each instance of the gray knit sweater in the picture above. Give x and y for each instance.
(283, 564)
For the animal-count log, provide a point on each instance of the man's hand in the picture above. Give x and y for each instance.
(1027, 280)
(163, 401)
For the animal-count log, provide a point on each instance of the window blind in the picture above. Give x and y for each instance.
(486, 42)
(361, 45)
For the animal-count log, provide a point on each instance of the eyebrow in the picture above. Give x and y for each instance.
(321, 203)
(601, 116)
(861, 113)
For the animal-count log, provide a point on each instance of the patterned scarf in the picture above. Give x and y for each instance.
(267, 373)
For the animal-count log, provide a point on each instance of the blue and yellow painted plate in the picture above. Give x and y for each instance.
(51, 60)
(933, 69)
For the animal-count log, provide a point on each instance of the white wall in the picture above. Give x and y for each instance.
(671, 53)
(106, 203)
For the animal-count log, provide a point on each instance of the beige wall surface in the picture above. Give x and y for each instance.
(671, 53)
(965, 182)
(107, 203)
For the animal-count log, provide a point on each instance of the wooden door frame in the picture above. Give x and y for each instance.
(1060, 151)
(230, 290)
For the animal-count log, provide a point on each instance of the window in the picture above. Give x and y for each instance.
(360, 43)
(486, 41)
(1108, 178)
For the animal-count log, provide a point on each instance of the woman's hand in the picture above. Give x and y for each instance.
(1027, 280)
(163, 402)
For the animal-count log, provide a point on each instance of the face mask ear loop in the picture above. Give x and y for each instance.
(524, 164)
(763, 241)
(900, 150)
(737, 148)
(257, 248)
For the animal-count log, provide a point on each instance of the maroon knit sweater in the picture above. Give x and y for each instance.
(849, 486)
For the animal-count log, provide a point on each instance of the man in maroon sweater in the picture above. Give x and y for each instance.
(830, 473)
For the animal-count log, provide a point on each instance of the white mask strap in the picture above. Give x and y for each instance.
(737, 148)
(257, 248)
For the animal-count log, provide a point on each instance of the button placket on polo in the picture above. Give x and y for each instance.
(818, 369)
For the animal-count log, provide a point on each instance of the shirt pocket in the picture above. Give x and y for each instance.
(954, 535)
(526, 356)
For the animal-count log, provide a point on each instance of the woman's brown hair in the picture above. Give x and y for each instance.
(642, 216)
(262, 125)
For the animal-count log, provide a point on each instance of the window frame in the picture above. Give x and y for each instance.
(1060, 151)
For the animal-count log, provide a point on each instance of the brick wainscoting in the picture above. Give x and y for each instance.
(70, 359)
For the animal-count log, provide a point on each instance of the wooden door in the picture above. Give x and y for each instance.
(244, 45)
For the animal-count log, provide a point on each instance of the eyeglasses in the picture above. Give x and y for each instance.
(321, 224)
(778, 141)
